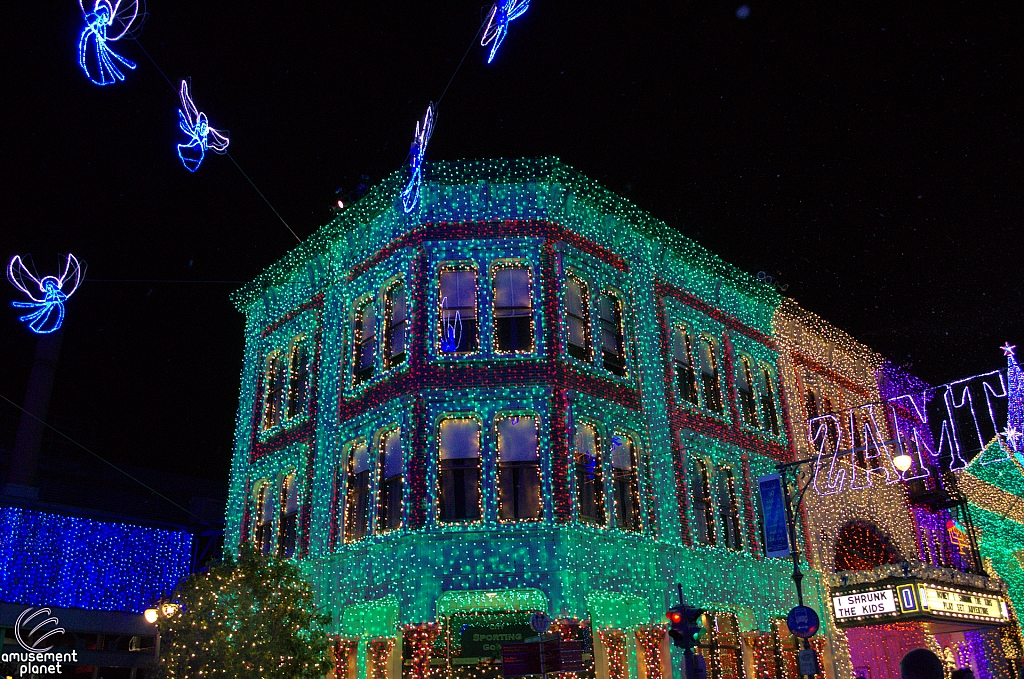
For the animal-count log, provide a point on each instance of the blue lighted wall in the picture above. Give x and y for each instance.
(56, 560)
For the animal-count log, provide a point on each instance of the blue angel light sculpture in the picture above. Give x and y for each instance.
(502, 12)
(48, 307)
(106, 22)
(194, 123)
(411, 192)
(451, 328)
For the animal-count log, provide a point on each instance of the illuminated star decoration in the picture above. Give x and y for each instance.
(106, 22)
(48, 307)
(194, 123)
(502, 12)
(411, 192)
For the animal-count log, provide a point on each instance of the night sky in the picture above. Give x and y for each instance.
(868, 157)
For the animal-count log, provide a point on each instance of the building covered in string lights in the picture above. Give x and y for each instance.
(895, 549)
(525, 395)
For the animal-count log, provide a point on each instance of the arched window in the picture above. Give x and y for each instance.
(289, 516)
(389, 483)
(625, 485)
(700, 489)
(458, 493)
(519, 492)
(365, 341)
(709, 376)
(457, 319)
(298, 371)
(577, 316)
(265, 527)
(613, 350)
(589, 476)
(513, 310)
(357, 493)
(729, 509)
(682, 359)
(274, 388)
(745, 391)
(768, 409)
(397, 320)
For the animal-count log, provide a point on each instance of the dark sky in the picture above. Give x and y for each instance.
(869, 157)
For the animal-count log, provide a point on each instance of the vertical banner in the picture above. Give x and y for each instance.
(773, 505)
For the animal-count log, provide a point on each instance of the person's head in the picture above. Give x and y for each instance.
(962, 673)
(921, 664)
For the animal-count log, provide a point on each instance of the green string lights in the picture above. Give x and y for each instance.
(524, 227)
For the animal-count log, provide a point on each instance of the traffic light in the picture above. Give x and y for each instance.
(684, 625)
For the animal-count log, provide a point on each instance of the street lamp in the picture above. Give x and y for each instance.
(903, 462)
(163, 609)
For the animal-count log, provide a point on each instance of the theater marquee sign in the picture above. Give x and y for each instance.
(906, 600)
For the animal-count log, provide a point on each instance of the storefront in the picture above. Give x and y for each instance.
(901, 607)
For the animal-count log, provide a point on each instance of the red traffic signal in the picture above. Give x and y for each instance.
(674, 617)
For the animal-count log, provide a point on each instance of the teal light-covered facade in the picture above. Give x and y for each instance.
(655, 390)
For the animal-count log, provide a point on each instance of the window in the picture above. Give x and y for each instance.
(577, 314)
(700, 487)
(459, 477)
(625, 486)
(745, 391)
(613, 351)
(365, 342)
(337, 479)
(709, 376)
(389, 487)
(289, 515)
(458, 318)
(513, 310)
(274, 390)
(722, 647)
(730, 512)
(589, 476)
(264, 529)
(768, 409)
(357, 495)
(397, 318)
(812, 404)
(299, 378)
(518, 469)
(682, 359)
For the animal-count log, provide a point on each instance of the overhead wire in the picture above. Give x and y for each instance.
(106, 461)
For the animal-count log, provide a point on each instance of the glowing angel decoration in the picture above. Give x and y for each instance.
(48, 294)
(106, 22)
(411, 192)
(451, 328)
(502, 12)
(194, 123)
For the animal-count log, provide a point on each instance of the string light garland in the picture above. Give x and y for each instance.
(55, 560)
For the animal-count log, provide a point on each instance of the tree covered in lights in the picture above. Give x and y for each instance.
(254, 617)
